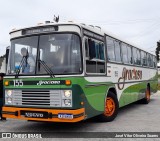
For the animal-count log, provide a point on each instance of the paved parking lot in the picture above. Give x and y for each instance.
(132, 118)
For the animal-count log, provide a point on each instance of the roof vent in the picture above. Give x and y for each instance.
(91, 26)
(83, 24)
(98, 27)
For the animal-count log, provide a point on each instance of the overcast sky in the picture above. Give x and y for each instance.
(137, 21)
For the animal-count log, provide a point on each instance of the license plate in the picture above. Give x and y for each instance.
(65, 116)
(34, 114)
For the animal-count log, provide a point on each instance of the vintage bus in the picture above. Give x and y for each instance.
(71, 72)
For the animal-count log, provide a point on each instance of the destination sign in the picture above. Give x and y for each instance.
(93, 35)
(39, 30)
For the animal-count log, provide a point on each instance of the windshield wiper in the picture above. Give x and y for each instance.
(47, 69)
(20, 66)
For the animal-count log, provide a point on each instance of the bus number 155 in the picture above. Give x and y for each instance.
(18, 83)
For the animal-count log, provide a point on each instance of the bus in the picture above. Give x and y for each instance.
(75, 72)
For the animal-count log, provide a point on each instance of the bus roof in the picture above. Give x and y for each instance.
(95, 29)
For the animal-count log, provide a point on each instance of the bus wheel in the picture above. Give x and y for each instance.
(146, 100)
(111, 108)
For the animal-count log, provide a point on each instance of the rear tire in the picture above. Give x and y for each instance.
(111, 108)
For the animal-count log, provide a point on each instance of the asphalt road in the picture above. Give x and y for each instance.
(132, 118)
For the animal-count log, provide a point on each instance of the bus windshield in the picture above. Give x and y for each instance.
(59, 52)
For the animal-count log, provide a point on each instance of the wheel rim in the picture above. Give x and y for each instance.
(147, 95)
(109, 107)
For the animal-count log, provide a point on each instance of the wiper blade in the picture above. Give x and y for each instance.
(20, 66)
(47, 69)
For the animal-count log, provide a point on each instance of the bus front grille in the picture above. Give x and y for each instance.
(36, 98)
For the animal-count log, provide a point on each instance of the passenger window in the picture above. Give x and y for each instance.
(86, 48)
(138, 57)
(154, 62)
(90, 66)
(95, 62)
(151, 63)
(97, 50)
(124, 53)
(92, 51)
(110, 49)
(143, 58)
(148, 60)
(117, 51)
(129, 51)
(101, 51)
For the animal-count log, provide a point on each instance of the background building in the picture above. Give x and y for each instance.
(3, 64)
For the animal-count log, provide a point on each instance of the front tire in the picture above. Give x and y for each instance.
(111, 108)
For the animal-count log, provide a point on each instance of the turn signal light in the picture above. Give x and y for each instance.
(82, 103)
(68, 82)
(6, 83)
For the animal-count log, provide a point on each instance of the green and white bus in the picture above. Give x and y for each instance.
(75, 72)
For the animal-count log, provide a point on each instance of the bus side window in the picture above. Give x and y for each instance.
(86, 48)
(101, 51)
(92, 51)
(129, 51)
(110, 49)
(154, 61)
(144, 58)
(148, 59)
(138, 57)
(117, 51)
(90, 54)
(151, 62)
(124, 53)
(95, 61)
(134, 51)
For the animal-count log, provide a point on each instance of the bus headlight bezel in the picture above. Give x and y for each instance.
(67, 93)
(9, 100)
(8, 97)
(67, 102)
(66, 98)
(9, 93)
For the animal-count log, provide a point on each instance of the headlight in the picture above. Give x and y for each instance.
(67, 93)
(67, 102)
(9, 100)
(66, 98)
(9, 92)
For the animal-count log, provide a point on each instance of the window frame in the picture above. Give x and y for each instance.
(113, 51)
(117, 41)
(94, 59)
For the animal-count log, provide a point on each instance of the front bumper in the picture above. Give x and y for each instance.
(50, 114)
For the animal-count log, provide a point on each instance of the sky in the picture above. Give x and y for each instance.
(135, 21)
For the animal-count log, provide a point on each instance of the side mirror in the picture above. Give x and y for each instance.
(92, 51)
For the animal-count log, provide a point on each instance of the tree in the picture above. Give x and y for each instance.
(158, 51)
